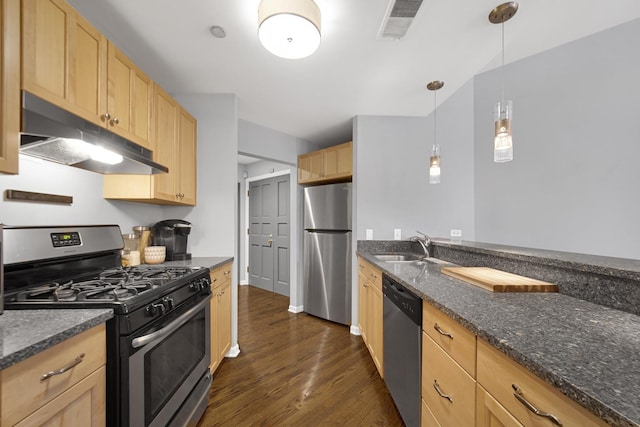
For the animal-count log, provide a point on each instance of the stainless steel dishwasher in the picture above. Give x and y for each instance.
(402, 348)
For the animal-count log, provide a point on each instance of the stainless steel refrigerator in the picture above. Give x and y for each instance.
(327, 252)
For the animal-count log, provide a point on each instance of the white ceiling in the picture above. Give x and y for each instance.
(353, 72)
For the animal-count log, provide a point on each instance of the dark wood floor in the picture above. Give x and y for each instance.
(295, 369)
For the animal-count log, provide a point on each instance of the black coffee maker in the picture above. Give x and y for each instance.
(172, 234)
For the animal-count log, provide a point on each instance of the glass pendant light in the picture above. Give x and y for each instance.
(503, 110)
(434, 160)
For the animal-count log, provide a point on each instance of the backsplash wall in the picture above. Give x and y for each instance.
(85, 187)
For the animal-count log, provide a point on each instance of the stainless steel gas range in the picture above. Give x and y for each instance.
(158, 343)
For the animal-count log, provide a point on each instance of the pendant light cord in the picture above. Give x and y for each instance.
(502, 63)
(435, 112)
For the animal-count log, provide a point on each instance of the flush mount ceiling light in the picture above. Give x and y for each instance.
(434, 160)
(289, 28)
(503, 111)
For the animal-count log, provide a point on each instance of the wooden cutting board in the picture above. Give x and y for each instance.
(498, 281)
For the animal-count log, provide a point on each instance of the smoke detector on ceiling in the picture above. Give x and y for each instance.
(398, 18)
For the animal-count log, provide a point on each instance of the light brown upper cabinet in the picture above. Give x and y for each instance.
(69, 63)
(64, 59)
(129, 100)
(174, 134)
(333, 164)
(9, 85)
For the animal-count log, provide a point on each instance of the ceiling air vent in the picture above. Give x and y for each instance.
(399, 18)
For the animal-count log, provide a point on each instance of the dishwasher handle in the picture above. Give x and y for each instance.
(405, 300)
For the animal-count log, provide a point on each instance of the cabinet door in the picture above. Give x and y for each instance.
(9, 85)
(129, 99)
(489, 413)
(64, 59)
(363, 289)
(374, 309)
(81, 405)
(165, 134)
(186, 151)
(223, 295)
(338, 162)
(310, 167)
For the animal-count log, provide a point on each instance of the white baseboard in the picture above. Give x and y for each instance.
(233, 351)
(244, 283)
(354, 330)
(294, 309)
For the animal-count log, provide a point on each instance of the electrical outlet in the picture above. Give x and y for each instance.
(456, 233)
(369, 234)
(397, 234)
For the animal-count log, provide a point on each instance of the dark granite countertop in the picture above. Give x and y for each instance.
(608, 266)
(209, 262)
(588, 352)
(24, 333)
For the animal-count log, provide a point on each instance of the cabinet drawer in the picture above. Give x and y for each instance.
(440, 370)
(455, 339)
(498, 374)
(22, 388)
(372, 274)
(220, 274)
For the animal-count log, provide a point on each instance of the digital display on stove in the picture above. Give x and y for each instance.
(65, 239)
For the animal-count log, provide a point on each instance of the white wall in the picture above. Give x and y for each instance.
(572, 185)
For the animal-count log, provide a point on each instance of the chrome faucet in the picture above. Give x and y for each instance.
(424, 240)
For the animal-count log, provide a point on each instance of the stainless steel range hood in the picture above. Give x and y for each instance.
(51, 133)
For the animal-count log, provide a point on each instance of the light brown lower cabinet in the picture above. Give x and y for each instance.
(503, 392)
(447, 389)
(220, 314)
(71, 398)
(81, 405)
(427, 418)
(512, 385)
(489, 413)
(370, 311)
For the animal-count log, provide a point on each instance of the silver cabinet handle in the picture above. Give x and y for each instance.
(106, 116)
(442, 395)
(115, 121)
(64, 369)
(441, 332)
(518, 395)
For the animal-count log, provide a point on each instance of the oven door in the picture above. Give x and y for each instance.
(169, 366)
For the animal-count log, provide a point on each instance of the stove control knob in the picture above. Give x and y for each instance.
(156, 309)
(195, 286)
(168, 303)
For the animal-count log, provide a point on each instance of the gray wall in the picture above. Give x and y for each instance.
(269, 144)
(392, 156)
(572, 185)
(277, 148)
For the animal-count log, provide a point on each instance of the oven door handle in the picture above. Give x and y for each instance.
(159, 334)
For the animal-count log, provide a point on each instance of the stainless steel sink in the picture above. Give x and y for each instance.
(412, 259)
(398, 257)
